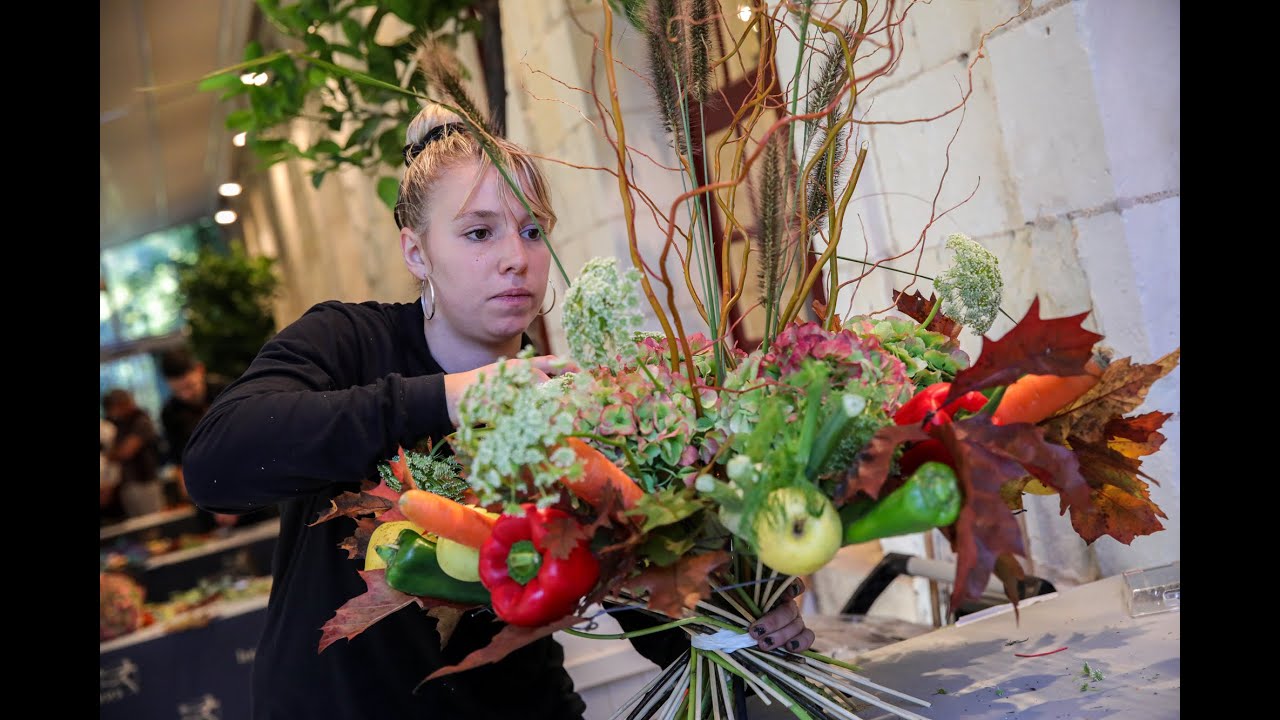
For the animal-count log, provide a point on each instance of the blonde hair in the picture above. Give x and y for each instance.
(427, 159)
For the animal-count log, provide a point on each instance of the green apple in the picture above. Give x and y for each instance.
(458, 561)
(793, 541)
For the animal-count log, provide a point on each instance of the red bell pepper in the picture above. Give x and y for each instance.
(527, 584)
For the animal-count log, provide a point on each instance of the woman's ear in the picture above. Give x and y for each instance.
(415, 256)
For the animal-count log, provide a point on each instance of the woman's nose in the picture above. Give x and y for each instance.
(515, 253)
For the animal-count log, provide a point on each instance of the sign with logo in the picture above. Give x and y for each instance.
(198, 674)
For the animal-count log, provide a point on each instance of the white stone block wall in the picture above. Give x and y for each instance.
(1071, 138)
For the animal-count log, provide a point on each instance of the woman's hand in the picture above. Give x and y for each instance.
(783, 626)
(545, 367)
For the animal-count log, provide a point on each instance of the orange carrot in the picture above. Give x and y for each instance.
(1033, 398)
(597, 472)
(447, 518)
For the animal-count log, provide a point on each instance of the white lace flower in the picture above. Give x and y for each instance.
(971, 288)
(602, 313)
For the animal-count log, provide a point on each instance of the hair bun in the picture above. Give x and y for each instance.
(411, 150)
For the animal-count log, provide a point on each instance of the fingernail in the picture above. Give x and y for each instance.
(768, 641)
(757, 631)
(794, 644)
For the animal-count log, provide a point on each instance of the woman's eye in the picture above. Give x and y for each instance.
(480, 234)
(532, 233)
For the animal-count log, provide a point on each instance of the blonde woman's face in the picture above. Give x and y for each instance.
(485, 255)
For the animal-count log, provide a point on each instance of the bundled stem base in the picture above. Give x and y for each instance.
(699, 684)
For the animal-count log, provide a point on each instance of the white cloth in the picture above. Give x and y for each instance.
(724, 641)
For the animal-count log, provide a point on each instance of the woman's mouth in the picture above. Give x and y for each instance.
(513, 297)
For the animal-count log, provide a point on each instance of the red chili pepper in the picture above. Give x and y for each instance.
(928, 404)
(528, 585)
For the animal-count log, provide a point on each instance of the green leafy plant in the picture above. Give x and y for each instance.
(360, 124)
(227, 297)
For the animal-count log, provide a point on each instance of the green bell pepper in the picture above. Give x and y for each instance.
(930, 498)
(413, 568)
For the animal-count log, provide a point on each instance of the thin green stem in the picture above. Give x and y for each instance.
(933, 311)
(830, 660)
(639, 633)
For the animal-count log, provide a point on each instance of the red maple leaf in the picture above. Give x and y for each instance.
(986, 457)
(1035, 346)
(508, 640)
(681, 585)
(378, 601)
(399, 469)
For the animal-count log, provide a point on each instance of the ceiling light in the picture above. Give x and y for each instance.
(239, 139)
(744, 13)
(229, 189)
(225, 217)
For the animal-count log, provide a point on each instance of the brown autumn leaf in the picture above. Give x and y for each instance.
(1010, 572)
(1122, 388)
(361, 611)
(820, 311)
(1136, 436)
(1117, 513)
(681, 585)
(564, 534)
(352, 505)
(614, 568)
(917, 308)
(1035, 346)
(1120, 502)
(356, 544)
(875, 460)
(508, 640)
(447, 618)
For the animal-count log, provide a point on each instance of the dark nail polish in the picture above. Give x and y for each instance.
(757, 631)
(794, 644)
(768, 641)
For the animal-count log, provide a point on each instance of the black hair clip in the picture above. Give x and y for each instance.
(412, 150)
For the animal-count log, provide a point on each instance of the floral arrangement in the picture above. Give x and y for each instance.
(687, 475)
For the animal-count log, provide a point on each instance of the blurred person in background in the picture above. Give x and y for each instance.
(136, 447)
(109, 508)
(192, 389)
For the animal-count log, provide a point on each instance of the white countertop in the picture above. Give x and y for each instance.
(1139, 660)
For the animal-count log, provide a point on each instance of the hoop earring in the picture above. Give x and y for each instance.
(426, 283)
(553, 301)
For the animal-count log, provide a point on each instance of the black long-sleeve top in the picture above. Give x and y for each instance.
(325, 400)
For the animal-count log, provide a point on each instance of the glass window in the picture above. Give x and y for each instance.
(141, 279)
(139, 374)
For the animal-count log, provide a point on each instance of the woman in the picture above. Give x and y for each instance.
(344, 385)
